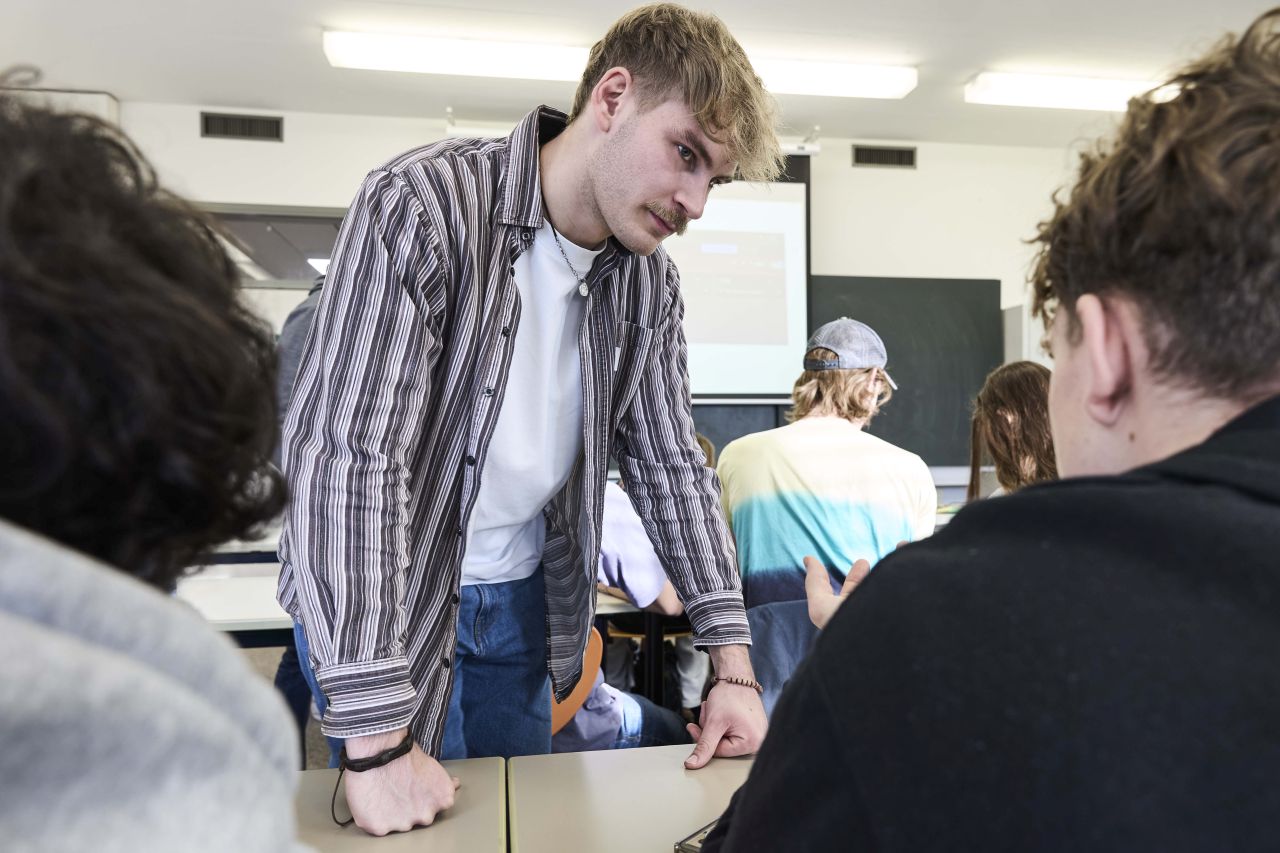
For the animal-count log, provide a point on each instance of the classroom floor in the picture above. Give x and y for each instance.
(264, 662)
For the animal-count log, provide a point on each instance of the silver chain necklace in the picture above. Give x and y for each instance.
(581, 279)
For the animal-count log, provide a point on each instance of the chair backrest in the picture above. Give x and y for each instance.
(781, 635)
(562, 712)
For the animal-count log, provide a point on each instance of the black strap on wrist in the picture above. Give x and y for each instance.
(360, 765)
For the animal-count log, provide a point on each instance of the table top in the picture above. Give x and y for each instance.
(242, 597)
(237, 598)
(609, 605)
(476, 823)
(618, 800)
(269, 541)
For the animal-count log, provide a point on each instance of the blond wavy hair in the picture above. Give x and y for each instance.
(674, 52)
(708, 449)
(849, 394)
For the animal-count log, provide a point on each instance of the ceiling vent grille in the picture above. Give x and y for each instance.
(228, 126)
(888, 158)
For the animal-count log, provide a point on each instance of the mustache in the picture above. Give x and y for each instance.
(677, 220)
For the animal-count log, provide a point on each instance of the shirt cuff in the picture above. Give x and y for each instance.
(367, 697)
(718, 619)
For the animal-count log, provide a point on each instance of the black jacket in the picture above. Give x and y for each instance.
(1092, 664)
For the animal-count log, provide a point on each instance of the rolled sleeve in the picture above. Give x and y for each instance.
(367, 697)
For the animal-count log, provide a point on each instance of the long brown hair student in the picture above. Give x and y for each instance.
(1010, 427)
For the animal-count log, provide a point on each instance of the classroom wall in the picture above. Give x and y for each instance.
(962, 213)
(320, 163)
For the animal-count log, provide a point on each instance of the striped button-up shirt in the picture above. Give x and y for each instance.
(400, 386)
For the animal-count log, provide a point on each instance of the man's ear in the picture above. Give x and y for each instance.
(1111, 335)
(608, 97)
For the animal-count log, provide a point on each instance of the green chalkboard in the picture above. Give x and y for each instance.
(943, 337)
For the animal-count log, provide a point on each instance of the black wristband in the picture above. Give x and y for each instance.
(359, 765)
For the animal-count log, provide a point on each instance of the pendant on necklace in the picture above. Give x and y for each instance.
(582, 288)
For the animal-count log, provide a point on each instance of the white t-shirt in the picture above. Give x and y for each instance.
(538, 436)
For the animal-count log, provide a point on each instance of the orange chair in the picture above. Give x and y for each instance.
(562, 712)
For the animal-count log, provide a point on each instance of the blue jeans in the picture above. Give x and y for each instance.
(647, 724)
(292, 684)
(501, 699)
(304, 663)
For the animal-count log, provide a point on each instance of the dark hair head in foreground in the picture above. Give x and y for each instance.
(137, 392)
(1010, 428)
(1180, 213)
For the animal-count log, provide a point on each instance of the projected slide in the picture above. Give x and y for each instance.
(743, 268)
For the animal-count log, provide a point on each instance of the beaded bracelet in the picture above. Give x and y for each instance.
(733, 679)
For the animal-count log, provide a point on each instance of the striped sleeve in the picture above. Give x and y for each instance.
(675, 493)
(356, 419)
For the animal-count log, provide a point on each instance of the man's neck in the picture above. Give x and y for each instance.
(1173, 420)
(825, 415)
(566, 189)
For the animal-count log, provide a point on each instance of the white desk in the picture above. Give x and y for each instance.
(609, 605)
(241, 600)
(477, 823)
(618, 800)
(241, 597)
(269, 541)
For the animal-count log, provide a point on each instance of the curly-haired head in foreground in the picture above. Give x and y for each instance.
(137, 391)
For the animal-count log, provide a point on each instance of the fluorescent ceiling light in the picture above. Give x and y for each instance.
(835, 79)
(460, 57)
(320, 265)
(1054, 92)
(532, 61)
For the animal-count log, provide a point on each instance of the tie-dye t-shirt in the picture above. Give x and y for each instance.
(820, 487)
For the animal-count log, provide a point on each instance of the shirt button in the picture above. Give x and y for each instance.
(459, 531)
(471, 460)
(506, 331)
(445, 662)
(488, 392)
(456, 598)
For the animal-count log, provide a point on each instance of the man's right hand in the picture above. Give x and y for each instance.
(408, 792)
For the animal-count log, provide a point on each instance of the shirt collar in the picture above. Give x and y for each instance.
(522, 189)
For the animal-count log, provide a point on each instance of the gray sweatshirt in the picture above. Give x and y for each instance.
(126, 722)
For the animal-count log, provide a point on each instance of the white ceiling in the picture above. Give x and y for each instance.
(266, 54)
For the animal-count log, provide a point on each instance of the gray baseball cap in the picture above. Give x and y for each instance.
(856, 344)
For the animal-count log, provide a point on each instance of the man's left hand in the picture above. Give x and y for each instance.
(823, 603)
(733, 718)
